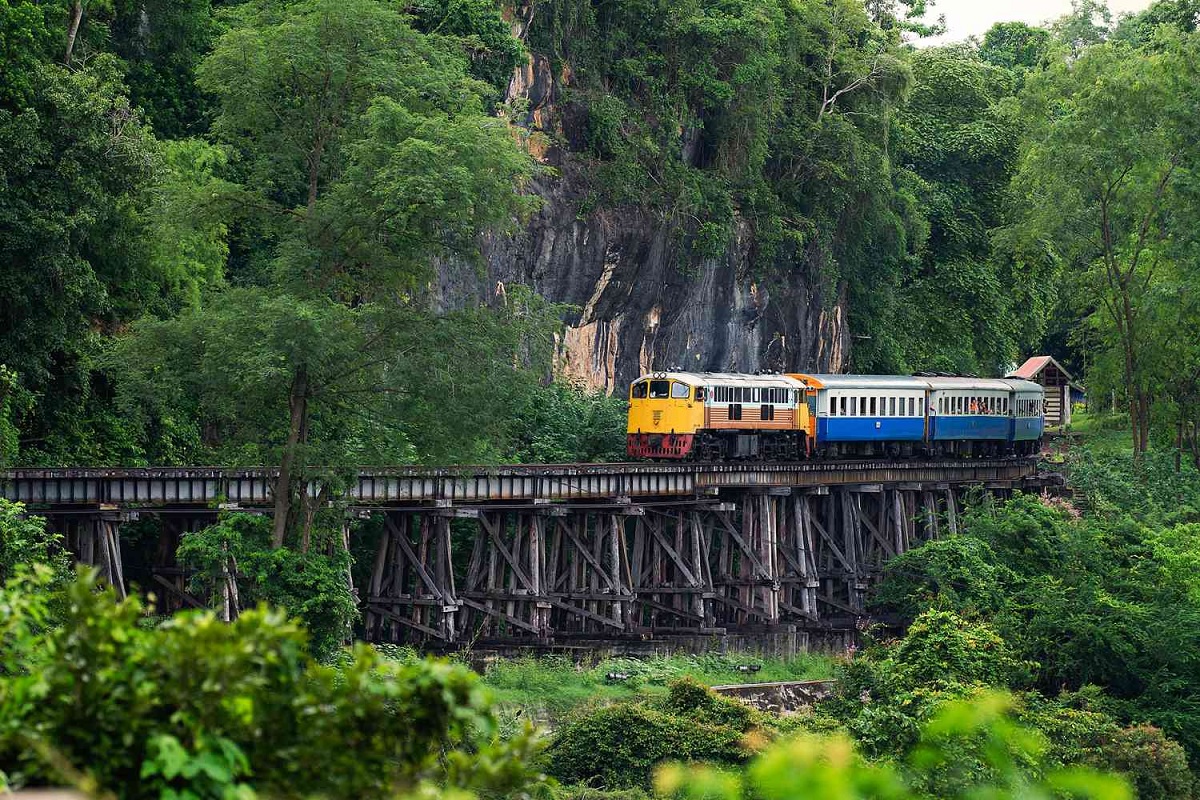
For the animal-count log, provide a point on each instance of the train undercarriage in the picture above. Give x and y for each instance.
(709, 446)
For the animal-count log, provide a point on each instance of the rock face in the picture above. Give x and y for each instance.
(785, 697)
(640, 307)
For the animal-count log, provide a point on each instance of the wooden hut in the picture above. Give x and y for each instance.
(1059, 387)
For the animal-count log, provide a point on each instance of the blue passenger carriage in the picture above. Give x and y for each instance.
(969, 416)
(1028, 416)
(868, 414)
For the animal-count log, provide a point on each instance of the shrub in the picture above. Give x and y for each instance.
(312, 586)
(960, 574)
(970, 749)
(196, 707)
(25, 540)
(689, 697)
(1155, 765)
(618, 746)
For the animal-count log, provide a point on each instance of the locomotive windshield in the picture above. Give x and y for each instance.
(638, 392)
(660, 390)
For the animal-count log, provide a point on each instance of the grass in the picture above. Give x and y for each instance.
(550, 687)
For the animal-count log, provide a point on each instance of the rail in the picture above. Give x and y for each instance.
(402, 486)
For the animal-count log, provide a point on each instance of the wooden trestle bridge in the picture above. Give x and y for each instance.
(550, 553)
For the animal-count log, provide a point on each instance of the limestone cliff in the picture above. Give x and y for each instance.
(641, 306)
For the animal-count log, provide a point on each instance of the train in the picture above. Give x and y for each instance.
(789, 417)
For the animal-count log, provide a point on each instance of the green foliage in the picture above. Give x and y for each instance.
(27, 38)
(72, 164)
(960, 139)
(1015, 45)
(618, 746)
(161, 43)
(932, 575)
(562, 423)
(885, 696)
(24, 540)
(364, 145)
(551, 687)
(198, 708)
(1093, 601)
(968, 750)
(10, 443)
(481, 31)
(310, 585)
(1103, 182)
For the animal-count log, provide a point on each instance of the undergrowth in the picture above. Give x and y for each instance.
(551, 686)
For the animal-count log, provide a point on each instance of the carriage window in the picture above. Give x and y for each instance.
(659, 389)
(912, 406)
(767, 412)
(639, 390)
(891, 406)
(735, 411)
(680, 391)
(872, 407)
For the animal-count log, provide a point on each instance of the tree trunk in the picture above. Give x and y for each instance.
(73, 30)
(1179, 443)
(298, 408)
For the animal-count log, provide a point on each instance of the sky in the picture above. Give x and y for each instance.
(973, 17)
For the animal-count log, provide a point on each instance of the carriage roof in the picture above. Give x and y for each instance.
(725, 379)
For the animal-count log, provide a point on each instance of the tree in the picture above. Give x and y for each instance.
(161, 43)
(960, 139)
(1089, 23)
(1015, 45)
(73, 163)
(364, 152)
(1109, 144)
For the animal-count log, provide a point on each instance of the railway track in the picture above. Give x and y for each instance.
(408, 485)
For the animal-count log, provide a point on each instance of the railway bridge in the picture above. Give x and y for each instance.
(557, 553)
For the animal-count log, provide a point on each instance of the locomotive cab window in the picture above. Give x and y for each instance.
(639, 390)
(660, 390)
(680, 391)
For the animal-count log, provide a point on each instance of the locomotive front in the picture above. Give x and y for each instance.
(666, 410)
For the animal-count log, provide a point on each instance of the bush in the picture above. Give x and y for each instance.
(618, 746)
(196, 707)
(961, 574)
(970, 749)
(25, 540)
(1155, 765)
(311, 585)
